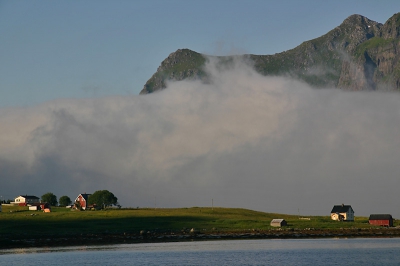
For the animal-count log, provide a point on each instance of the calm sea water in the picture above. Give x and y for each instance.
(360, 251)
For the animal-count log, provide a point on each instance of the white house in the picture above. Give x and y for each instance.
(25, 200)
(342, 213)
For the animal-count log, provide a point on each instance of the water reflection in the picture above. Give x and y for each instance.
(234, 252)
(271, 244)
(372, 251)
(53, 249)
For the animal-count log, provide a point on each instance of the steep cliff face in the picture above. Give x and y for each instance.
(360, 54)
(391, 29)
(374, 63)
(320, 61)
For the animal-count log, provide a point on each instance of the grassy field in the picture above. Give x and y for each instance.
(19, 220)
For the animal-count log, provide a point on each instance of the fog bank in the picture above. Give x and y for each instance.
(265, 143)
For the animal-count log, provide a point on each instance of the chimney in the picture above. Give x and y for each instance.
(342, 204)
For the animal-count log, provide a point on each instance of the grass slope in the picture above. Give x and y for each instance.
(62, 221)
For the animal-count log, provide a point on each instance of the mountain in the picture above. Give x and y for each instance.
(360, 54)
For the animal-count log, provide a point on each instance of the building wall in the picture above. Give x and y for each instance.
(19, 200)
(381, 222)
(335, 216)
(349, 216)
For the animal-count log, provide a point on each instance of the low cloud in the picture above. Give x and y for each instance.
(244, 140)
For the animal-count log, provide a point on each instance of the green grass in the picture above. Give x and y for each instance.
(372, 43)
(65, 221)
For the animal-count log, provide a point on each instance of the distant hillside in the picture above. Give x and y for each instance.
(360, 54)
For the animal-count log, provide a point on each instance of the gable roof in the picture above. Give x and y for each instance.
(84, 196)
(277, 220)
(380, 217)
(28, 197)
(341, 208)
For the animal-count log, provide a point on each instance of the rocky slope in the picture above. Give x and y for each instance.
(360, 54)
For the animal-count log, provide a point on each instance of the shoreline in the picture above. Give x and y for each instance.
(37, 241)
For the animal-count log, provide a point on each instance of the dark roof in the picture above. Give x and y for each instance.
(380, 217)
(86, 196)
(341, 208)
(28, 197)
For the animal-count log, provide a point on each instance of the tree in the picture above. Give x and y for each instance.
(103, 198)
(50, 198)
(65, 200)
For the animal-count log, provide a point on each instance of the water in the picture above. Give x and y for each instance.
(360, 251)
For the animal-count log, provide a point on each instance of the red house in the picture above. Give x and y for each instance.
(381, 219)
(83, 200)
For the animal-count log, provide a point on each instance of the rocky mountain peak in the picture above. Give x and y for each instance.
(357, 29)
(179, 65)
(391, 29)
(359, 54)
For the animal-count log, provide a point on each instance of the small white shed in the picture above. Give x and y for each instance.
(278, 222)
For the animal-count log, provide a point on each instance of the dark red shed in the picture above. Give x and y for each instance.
(381, 219)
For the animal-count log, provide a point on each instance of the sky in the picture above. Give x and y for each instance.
(86, 49)
(71, 119)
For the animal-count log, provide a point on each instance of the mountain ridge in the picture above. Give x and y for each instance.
(359, 54)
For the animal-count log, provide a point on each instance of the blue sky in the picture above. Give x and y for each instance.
(85, 49)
